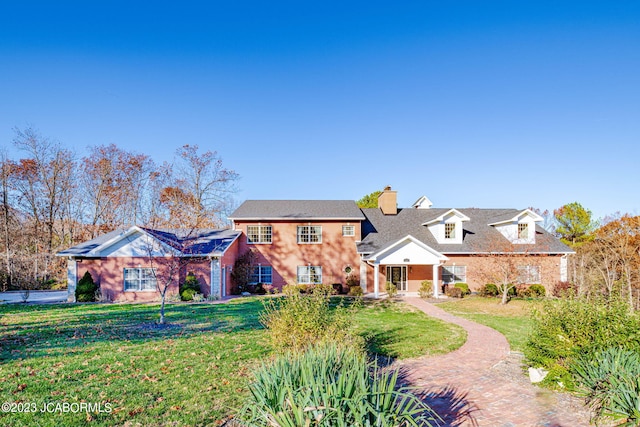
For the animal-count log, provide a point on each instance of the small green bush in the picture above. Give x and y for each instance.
(454, 292)
(488, 290)
(534, 291)
(86, 288)
(391, 289)
(189, 287)
(187, 294)
(356, 291)
(464, 288)
(299, 320)
(568, 328)
(352, 280)
(331, 385)
(426, 289)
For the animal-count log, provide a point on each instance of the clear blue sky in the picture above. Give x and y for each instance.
(472, 103)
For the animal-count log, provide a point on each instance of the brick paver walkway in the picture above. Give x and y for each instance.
(466, 388)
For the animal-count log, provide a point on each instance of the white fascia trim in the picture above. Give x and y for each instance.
(421, 200)
(535, 216)
(133, 229)
(412, 239)
(456, 212)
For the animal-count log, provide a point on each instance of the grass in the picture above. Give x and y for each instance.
(513, 320)
(401, 331)
(193, 373)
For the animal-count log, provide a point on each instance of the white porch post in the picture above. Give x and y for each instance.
(215, 278)
(376, 279)
(363, 276)
(436, 279)
(72, 279)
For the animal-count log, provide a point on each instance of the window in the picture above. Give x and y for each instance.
(348, 230)
(529, 274)
(261, 274)
(258, 234)
(450, 231)
(309, 275)
(454, 274)
(523, 231)
(309, 234)
(139, 279)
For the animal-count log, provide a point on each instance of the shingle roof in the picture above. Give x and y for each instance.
(86, 247)
(298, 209)
(379, 231)
(199, 242)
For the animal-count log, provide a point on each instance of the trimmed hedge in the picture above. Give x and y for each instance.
(86, 289)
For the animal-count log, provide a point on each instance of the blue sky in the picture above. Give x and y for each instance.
(472, 103)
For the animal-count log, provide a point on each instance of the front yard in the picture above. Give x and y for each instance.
(193, 373)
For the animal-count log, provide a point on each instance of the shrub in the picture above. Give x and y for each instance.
(323, 289)
(352, 280)
(563, 289)
(356, 291)
(392, 290)
(534, 291)
(299, 320)
(610, 383)
(187, 294)
(337, 288)
(489, 290)
(454, 292)
(331, 385)
(86, 288)
(464, 288)
(269, 289)
(426, 289)
(565, 329)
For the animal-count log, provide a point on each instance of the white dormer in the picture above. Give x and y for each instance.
(423, 203)
(521, 229)
(448, 227)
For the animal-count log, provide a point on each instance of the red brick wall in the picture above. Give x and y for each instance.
(284, 254)
(108, 273)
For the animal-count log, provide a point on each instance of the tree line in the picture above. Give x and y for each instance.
(52, 199)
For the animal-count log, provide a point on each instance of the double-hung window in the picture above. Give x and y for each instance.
(309, 274)
(348, 230)
(139, 279)
(450, 230)
(523, 231)
(309, 234)
(259, 234)
(261, 274)
(454, 274)
(529, 274)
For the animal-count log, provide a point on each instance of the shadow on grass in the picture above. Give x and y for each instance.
(35, 331)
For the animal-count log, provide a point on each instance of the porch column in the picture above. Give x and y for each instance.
(376, 279)
(215, 278)
(436, 279)
(363, 276)
(72, 279)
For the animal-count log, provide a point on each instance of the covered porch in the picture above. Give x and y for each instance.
(406, 263)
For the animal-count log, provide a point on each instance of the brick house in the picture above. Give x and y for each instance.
(325, 241)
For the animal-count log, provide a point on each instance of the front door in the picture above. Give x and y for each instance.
(398, 276)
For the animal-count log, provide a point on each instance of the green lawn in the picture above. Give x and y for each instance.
(193, 373)
(513, 320)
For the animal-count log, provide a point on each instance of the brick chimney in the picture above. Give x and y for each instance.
(388, 201)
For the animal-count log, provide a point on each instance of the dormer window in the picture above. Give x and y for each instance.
(523, 231)
(449, 230)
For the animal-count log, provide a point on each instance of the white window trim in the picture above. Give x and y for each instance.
(455, 230)
(298, 234)
(350, 227)
(308, 273)
(124, 279)
(260, 235)
(260, 274)
(453, 274)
